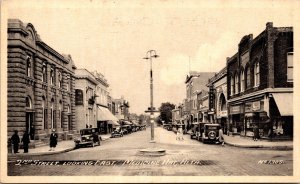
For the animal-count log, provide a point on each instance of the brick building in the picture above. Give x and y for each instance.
(40, 84)
(260, 84)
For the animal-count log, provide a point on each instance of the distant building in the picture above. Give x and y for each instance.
(260, 84)
(195, 82)
(41, 85)
(122, 109)
(85, 95)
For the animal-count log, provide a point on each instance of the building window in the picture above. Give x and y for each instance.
(59, 80)
(248, 84)
(290, 66)
(232, 86)
(44, 75)
(236, 83)
(52, 113)
(242, 76)
(67, 83)
(28, 64)
(52, 76)
(256, 74)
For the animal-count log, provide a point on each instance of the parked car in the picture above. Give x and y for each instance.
(199, 130)
(193, 130)
(88, 137)
(118, 132)
(124, 129)
(210, 133)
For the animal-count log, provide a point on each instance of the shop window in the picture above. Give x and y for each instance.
(236, 83)
(256, 74)
(290, 66)
(242, 76)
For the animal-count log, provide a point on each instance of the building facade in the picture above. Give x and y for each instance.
(217, 86)
(260, 84)
(121, 109)
(195, 82)
(85, 99)
(41, 85)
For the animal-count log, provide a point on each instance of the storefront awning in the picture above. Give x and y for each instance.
(104, 114)
(127, 123)
(284, 102)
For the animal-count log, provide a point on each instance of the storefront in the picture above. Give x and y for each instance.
(106, 121)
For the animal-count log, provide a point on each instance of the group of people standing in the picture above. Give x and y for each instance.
(15, 140)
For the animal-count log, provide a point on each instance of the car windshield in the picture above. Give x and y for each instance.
(87, 131)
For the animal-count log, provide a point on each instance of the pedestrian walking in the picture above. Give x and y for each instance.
(15, 139)
(221, 136)
(25, 141)
(180, 131)
(53, 140)
(32, 132)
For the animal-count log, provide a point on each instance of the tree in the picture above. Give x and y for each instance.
(166, 112)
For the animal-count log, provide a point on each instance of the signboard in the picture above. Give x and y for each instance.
(252, 106)
(78, 97)
(235, 109)
(223, 113)
(256, 106)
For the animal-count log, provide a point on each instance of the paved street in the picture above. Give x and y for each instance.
(183, 158)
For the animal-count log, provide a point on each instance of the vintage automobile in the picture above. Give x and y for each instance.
(199, 130)
(88, 137)
(210, 133)
(124, 129)
(193, 130)
(118, 132)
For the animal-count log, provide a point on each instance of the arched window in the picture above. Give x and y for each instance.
(28, 103)
(222, 103)
(256, 74)
(28, 65)
(59, 80)
(236, 83)
(232, 85)
(247, 74)
(52, 76)
(242, 76)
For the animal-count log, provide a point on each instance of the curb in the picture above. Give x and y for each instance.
(41, 153)
(284, 148)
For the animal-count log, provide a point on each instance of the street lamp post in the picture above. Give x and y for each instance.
(149, 55)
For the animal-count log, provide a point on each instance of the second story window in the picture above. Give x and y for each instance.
(44, 72)
(59, 80)
(52, 76)
(28, 66)
(232, 86)
(248, 84)
(236, 83)
(256, 74)
(290, 66)
(242, 76)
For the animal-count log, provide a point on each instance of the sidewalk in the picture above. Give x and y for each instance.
(62, 146)
(245, 142)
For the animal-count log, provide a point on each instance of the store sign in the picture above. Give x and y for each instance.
(256, 106)
(235, 109)
(223, 113)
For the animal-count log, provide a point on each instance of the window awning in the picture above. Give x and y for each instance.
(284, 102)
(105, 115)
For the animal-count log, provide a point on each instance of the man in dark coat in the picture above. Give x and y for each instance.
(26, 141)
(15, 140)
(53, 140)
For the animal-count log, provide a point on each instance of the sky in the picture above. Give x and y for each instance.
(112, 37)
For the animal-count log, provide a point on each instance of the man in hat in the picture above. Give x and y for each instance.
(15, 139)
(53, 140)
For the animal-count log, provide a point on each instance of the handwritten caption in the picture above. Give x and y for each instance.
(113, 162)
(271, 162)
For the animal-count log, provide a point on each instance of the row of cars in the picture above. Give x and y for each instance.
(91, 136)
(120, 131)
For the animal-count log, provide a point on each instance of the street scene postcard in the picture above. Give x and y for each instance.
(149, 91)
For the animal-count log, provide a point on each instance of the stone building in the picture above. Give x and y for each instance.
(40, 84)
(85, 99)
(260, 84)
